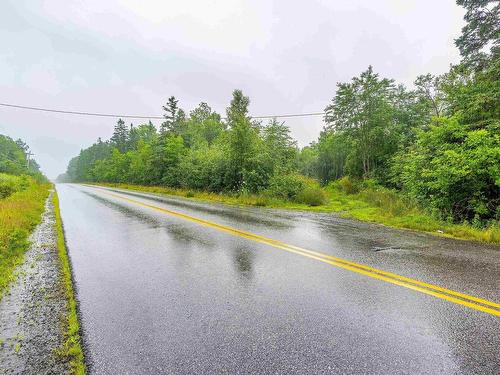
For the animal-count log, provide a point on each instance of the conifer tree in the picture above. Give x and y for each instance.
(120, 136)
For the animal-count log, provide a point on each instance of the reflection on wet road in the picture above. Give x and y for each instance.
(162, 294)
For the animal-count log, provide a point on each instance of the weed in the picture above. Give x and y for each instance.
(346, 185)
(19, 214)
(71, 348)
(312, 196)
(261, 201)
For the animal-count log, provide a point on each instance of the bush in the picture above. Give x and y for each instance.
(346, 185)
(10, 184)
(369, 183)
(389, 200)
(6, 189)
(312, 196)
(297, 188)
(286, 187)
(454, 170)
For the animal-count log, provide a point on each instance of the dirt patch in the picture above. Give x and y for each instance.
(33, 312)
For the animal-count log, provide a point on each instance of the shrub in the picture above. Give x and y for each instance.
(286, 186)
(297, 188)
(10, 184)
(19, 213)
(454, 170)
(6, 189)
(389, 200)
(346, 185)
(369, 184)
(312, 196)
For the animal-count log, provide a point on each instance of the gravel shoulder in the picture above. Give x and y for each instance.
(33, 314)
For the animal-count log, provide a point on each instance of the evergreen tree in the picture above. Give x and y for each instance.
(133, 138)
(120, 136)
(171, 116)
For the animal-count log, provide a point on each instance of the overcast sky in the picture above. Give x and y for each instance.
(128, 57)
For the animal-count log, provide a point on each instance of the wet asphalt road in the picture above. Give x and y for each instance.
(160, 294)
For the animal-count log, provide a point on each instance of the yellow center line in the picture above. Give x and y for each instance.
(416, 285)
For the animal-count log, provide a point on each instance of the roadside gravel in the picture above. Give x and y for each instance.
(33, 313)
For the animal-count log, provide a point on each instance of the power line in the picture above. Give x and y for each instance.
(142, 116)
(77, 112)
(291, 115)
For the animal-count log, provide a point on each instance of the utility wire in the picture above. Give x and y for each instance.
(142, 116)
(78, 113)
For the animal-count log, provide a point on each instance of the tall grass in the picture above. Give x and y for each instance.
(71, 349)
(20, 212)
(9, 184)
(372, 203)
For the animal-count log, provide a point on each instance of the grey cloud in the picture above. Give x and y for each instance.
(128, 57)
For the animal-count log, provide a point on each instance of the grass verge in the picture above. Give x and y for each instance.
(375, 205)
(386, 207)
(20, 212)
(72, 348)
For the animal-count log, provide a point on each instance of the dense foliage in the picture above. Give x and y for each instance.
(23, 190)
(20, 211)
(14, 158)
(16, 168)
(438, 142)
(198, 150)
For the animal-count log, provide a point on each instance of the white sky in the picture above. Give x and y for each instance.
(130, 56)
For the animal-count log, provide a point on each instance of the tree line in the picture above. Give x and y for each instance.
(15, 158)
(438, 143)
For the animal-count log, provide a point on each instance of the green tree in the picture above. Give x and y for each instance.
(174, 117)
(139, 171)
(280, 146)
(237, 112)
(202, 127)
(14, 157)
(475, 95)
(308, 159)
(242, 141)
(147, 132)
(455, 170)
(362, 109)
(173, 150)
(332, 152)
(133, 138)
(431, 96)
(120, 136)
(482, 29)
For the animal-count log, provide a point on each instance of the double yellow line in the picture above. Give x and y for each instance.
(472, 302)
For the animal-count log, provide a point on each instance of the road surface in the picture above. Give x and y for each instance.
(174, 286)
